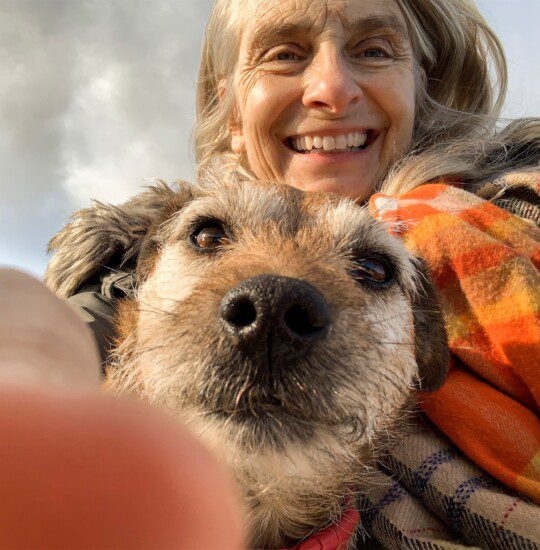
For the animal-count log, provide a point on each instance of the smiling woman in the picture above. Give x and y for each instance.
(351, 114)
(324, 93)
(329, 95)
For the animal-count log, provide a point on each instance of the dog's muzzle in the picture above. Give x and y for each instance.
(275, 319)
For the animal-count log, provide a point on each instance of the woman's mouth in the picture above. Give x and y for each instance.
(339, 143)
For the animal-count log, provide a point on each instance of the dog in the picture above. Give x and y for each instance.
(287, 329)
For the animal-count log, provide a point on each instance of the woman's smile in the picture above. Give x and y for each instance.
(337, 141)
(334, 147)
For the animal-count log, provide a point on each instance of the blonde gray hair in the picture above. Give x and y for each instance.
(462, 81)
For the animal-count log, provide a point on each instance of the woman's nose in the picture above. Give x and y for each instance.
(331, 85)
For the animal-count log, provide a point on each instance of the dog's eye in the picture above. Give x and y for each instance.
(373, 270)
(209, 237)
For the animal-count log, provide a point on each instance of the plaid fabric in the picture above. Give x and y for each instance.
(515, 192)
(485, 264)
(431, 496)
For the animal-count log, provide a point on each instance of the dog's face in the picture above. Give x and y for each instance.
(277, 315)
(287, 328)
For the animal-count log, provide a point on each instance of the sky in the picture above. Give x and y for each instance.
(98, 96)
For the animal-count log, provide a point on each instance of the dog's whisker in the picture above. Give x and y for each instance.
(241, 393)
(388, 319)
(153, 309)
(149, 349)
(406, 344)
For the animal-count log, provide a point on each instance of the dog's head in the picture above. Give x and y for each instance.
(288, 328)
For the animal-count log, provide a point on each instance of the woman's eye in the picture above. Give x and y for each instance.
(209, 237)
(287, 56)
(372, 270)
(374, 48)
(375, 52)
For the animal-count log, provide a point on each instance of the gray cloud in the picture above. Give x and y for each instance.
(98, 95)
(95, 97)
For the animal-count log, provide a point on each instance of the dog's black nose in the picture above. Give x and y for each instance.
(280, 314)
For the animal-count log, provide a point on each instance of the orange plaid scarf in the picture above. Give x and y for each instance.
(485, 264)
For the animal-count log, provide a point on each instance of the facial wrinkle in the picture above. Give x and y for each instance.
(325, 42)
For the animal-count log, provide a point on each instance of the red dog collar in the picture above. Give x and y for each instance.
(334, 537)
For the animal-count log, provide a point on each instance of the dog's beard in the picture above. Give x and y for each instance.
(303, 435)
(293, 470)
(260, 410)
(338, 388)
(241, 413)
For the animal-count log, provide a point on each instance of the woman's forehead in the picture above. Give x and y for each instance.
(315, 16)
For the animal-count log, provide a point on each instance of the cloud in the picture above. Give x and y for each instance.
(98, 95)
(95, 97)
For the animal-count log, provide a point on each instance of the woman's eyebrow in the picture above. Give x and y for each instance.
(272, 32)
(377, 23)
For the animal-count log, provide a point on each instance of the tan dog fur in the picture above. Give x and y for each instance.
(304, 441)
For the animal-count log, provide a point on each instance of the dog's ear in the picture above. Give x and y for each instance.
(430, 341)
(105, 234)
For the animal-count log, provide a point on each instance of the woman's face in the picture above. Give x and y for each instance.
(325, 92)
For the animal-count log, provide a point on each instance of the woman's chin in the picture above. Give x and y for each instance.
(351, 174)
(353, 185)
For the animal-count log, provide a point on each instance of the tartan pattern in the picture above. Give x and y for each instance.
(394, 518)
(485, 264)
(430, 496)
(516, 192)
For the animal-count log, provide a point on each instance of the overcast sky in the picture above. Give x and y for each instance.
(96, 96)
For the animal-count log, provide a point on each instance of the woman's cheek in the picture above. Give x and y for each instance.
(394, 97)
(399, 103)
(261, 153)
(264, 107)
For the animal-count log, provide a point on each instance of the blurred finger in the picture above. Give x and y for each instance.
(42, 341)
(84, 470)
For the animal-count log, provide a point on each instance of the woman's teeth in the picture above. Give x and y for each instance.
(345, 142)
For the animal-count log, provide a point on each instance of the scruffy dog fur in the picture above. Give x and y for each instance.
(287, 329)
